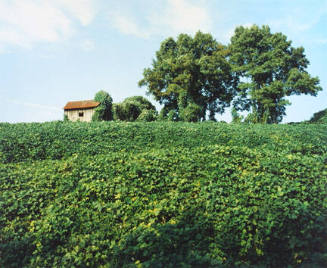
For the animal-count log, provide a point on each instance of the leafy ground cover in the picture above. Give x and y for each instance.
(57, 140)
(163, 195)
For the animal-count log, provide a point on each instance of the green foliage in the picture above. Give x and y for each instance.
(319, 117)
(147, 116)
(196, 77)
(163, 114)
(127, 111)
(188, 111)
(195, 68)
(191, 113)
(236, 118)
(162, 194)
(104, 111)
(172, 116)
(144, 104)
(57, 140)
(133, 107)
(269, 70)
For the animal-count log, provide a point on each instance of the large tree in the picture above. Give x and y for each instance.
(190, 76)
(269, 70)
(104, 111)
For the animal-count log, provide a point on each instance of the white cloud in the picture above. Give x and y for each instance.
(27, 22)
(301, 19)
(298, 24)
(185, 16)
(83, 10)
(173, 17)
(128, 26)
(9, 36)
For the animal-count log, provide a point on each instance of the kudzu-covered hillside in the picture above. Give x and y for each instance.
(161, 194)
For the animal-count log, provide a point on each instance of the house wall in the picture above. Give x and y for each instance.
(73, 115)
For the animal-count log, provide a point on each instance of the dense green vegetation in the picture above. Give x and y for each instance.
(160, 194)
(319, 117)
(269, 69)
(135, 108)
(195, 78)
(191, 77)
(104, 111)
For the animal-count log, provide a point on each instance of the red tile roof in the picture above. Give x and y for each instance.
(71, 105)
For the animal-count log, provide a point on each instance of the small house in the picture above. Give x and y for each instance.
(80, 110)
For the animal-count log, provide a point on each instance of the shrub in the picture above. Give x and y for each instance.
(131, 108)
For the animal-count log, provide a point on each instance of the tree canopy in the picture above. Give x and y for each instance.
(104, 111)
(269, 69)
(190, 77)
(196, 77)
(135, 108)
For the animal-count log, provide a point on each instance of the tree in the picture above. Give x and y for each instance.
(134, 107)
(190, 72)
(104, 111)
(269, 70)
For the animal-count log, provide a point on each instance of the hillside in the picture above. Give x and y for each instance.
(163, 195)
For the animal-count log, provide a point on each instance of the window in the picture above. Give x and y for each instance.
(80, 114)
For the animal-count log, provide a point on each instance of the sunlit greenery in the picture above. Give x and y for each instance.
(163, 194)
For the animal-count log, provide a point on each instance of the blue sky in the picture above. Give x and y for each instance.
(54, 51)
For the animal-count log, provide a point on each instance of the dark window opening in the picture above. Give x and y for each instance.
(80, 114)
